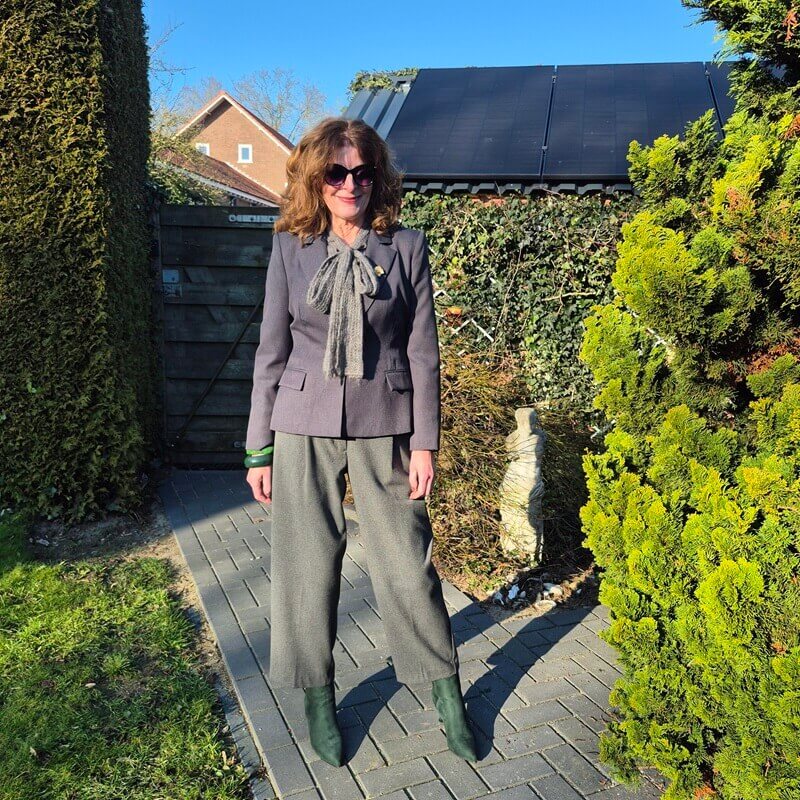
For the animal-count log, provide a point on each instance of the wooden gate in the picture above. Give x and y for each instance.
(213, 270)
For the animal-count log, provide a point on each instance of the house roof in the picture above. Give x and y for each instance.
(222, 97)
(556, 128)
(221, 175)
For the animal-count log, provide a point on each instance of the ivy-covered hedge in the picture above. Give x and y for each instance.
(694, 506)
(76, 383)
(528, 271)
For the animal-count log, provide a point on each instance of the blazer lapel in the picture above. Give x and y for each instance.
(380, 250)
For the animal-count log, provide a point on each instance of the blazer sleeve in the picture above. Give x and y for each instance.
(275, 345)
(423, 353)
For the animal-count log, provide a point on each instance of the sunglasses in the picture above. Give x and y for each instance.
(363, 175)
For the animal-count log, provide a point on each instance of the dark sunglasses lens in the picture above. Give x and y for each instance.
(364, 176)
(335, 175)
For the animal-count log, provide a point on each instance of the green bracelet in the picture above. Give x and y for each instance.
(259, 458)
(263, 460)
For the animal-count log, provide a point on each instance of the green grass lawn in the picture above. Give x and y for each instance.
(101, 693)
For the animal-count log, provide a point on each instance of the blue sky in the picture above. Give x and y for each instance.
(327, 43)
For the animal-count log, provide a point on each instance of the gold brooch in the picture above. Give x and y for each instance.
(379, 270)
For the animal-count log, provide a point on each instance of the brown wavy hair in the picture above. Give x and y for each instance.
(303, 211)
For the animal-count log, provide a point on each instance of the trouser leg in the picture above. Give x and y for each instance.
(398, 539)
(308, 543)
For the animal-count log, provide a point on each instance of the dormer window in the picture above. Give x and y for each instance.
(245, 154)
(203, 147)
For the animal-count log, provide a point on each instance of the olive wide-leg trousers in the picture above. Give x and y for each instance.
(308, 543)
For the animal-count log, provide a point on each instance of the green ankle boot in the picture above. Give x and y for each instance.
(326, 738)
(450, 704)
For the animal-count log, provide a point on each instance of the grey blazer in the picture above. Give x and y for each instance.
(400, 391)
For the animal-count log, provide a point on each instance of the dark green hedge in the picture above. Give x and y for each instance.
(76, 383)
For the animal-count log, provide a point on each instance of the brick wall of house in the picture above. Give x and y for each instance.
(225, 128)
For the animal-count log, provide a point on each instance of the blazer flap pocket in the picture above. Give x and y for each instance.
(293, 378)
(399, 379)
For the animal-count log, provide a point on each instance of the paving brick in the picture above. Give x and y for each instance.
(343, 662)
(570, 616)
(497, 693)
(541, 691)
(518, 652)
(592, 688)
(478, 617)
(367, 620)
(360, 751)
(259, 642)
(483, 714)
(484, 747)
(506, 669)
(414, 745)
(596, 666)
(513, 771)
(555, 668)
(291, 702)
(522, 792)
(515, 625)
(240, 596)
(497, 633)
(261, 589)
(235, 651)
(554, 787)
(570, 763)
(538, 714)
(591, 714)
(255, 693)
(471, 670)
(477, 648)
(397, 697)
(577, 734)
(594, 624)
(601, 648)
(454, 597)
(395, 776)
(433, 790)
(530, 740)
(379, 721)
(353, 638)
(532, 638)
(269, 729)
(423, 720)
(353, 695)
(336, 783)
(458, 775)
(262, 790)
(564, 648)
(288, 770)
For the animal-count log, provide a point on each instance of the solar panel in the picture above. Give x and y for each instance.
(598, 109)
(473, 122)
(477, 127)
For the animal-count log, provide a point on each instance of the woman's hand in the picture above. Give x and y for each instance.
(260, 480)
(420, 474)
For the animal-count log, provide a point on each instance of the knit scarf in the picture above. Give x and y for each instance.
(336, 288)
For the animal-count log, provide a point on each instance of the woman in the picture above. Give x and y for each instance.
(346, 379)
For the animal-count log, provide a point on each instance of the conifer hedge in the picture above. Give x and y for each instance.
(76, 354)
(694, 505)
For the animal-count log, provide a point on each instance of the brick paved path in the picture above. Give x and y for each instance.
(536, 690)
